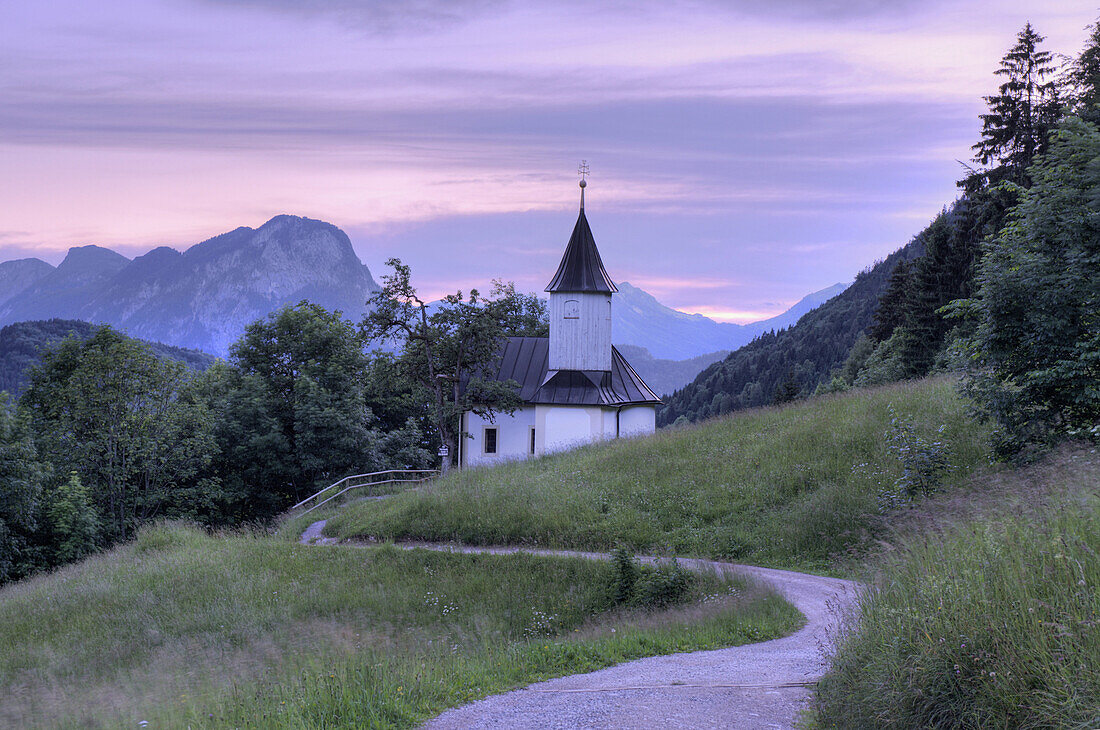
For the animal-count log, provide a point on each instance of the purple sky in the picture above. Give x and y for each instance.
(743, 153)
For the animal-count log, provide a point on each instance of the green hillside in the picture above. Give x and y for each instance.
(182, 629)
(985, 613)
(793, 486)
(21, 343)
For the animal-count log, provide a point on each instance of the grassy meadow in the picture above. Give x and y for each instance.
(795, 486)
(986, 612)
(185, 629)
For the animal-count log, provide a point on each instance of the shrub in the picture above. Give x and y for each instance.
(665, 585)
(74, 521)
(625, 574)
(643, 586)
(924, 463)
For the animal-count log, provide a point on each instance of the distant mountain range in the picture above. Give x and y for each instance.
(201, 298)
(667, 376)
(637, 318)
(204, 297)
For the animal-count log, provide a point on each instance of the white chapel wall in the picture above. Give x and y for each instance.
(513, 436)
(559, 428)
(637, 420)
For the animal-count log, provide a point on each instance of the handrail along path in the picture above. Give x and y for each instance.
(401, 476)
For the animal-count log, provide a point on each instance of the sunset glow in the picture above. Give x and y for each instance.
(742, 154)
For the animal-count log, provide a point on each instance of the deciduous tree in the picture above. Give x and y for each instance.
(448, 349)
(22, 479)
(123, 419)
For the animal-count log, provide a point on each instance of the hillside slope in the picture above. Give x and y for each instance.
(788, 487)
(984, 612)
(183, 629)
(21, 345)
(809, 351)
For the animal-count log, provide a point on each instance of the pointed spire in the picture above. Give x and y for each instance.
(581, 268)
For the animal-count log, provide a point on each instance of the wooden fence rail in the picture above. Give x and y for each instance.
(370, 479)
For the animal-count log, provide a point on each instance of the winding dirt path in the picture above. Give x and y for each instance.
(763, 685)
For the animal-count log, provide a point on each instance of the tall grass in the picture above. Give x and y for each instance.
(989, 620)
(789, 486)
(184, 629)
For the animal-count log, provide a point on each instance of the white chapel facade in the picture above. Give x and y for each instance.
(575, 386)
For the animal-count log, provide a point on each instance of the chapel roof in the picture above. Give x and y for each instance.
(526, 361)
(581, 269)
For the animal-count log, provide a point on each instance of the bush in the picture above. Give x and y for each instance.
(626, 574)
(643, 586)
(924, 463)
(665, 585)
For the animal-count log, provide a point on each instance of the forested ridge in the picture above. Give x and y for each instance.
(804, 354)
(22, 343)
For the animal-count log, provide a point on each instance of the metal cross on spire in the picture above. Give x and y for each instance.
(582, 170)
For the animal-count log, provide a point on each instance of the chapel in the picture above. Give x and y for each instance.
(575, 386)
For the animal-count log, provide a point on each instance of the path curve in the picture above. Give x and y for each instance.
(764, 685)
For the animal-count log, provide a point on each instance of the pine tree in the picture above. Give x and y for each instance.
(1084, 78)
(1035, 353)
(788, 390)
(893, 303)
(1024, 110)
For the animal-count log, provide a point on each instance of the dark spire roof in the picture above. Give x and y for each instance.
(581, 269)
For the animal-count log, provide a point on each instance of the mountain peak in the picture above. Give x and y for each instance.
(20, 274)
(92, 258)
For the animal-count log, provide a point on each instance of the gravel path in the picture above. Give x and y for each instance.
(762, 685)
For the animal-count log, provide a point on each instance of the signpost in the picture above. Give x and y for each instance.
(445, 454)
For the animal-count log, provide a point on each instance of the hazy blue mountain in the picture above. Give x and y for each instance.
(639, 319)
(204, 297)
(792, 315)
(64, 291)
(18, 275)
(667, 376)
(22, 343)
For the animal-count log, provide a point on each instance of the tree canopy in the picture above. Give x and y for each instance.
(451, 350)
(1034, 357)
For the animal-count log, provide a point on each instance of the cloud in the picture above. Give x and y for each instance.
(838, 10)
(384, 17)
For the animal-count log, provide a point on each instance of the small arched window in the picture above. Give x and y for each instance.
(572, 309)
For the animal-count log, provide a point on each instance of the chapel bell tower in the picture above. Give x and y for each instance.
(580, 303)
